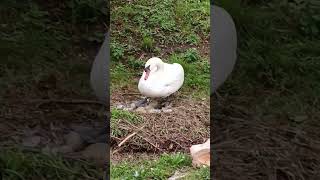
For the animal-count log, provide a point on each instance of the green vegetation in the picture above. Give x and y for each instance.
(121, 117)
(150, 28)
(46, 52)
(40, 40)
(17, 165)
(278, 56)
(161, 168)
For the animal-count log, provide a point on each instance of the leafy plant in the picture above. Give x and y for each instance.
(117, 51)
(147, 43)
(121, 117)
(191, 55)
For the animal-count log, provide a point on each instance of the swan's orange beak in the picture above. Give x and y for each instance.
(147, 75)
(147, 70)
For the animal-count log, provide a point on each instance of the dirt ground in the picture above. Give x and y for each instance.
(248, 147)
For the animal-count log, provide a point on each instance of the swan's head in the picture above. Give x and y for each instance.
(152, 65)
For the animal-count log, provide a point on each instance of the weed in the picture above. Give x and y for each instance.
(201, 173)
(193, 39)
(117, 51)
(161, 168)
(280, 61)
(119, 75)
(147, 43)
(135, 64)
(191, 55)
(15, 164)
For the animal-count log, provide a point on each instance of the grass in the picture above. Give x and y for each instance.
(151, 27)
(143, 29)
(45, 53)
(122, 117)
(161, 168)
(278, 66)
(17, 165)
(197, 72)
(38, 40)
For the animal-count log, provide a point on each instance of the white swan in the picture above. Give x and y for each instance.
(159, 79)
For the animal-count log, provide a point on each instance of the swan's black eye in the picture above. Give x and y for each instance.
(147, 68)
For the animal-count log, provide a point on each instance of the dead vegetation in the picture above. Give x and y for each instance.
(250, 147)
(187, 124)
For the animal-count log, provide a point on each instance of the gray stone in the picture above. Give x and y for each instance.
(120, 106)
(133, 105)
(165, 110)
(154, 111)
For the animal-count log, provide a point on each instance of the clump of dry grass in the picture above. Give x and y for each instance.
(249, 147)
(167, 132)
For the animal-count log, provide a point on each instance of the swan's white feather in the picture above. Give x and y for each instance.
(164, 82)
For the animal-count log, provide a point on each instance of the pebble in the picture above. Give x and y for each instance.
(166, 110)
(133, 105)
(154, 111)
(120, 106)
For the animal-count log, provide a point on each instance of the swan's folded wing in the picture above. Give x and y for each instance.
(174, 78)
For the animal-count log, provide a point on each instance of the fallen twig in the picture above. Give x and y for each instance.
(129, 136)
(126, 139)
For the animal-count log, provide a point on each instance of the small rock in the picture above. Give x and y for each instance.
(120, 106)
(166, 110)
(73, 141)
(133, 105)
(96, 152)
(154, 111)
(31, 141)
(141, 110)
